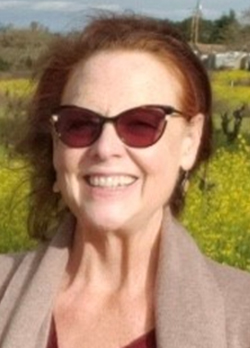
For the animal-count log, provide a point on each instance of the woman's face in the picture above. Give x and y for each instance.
(110, 185)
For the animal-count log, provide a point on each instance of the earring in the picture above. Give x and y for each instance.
(185, 183)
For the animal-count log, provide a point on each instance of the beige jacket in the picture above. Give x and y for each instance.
(199, 303)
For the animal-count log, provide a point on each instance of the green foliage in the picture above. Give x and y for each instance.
(226, 30)
(218, 211)
(14, 205)
(4, 65)
(14, 97)
(231, 87)
(14, 187)
(231, 91)
(16, 87)
(20, 48)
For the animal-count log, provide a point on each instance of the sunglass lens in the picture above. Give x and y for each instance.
(78, 128)
(141, 127)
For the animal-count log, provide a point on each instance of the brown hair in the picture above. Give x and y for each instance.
(105, 32)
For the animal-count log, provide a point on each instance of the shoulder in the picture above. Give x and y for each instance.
(234, 285)
(225, 275)
(21, 268)
(9, 263)
(230, 280)
(16, 267)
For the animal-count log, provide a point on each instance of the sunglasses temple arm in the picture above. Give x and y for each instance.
(177, 113)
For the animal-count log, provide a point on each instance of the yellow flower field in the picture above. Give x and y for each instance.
(16, 87)
(219, 216)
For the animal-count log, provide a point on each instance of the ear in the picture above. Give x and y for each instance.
(191, 142)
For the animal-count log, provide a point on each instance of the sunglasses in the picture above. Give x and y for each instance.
(139, 127)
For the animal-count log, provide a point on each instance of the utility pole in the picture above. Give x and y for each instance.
(196, 23)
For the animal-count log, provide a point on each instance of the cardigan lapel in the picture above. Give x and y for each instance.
(26, 307)
(189, 305)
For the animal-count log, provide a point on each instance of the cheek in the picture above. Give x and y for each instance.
(67, 166)
(59, 161)
(161, 163)
(57, 155)
(161, 177)
(167, 164)
(172, 149)
(65, 160)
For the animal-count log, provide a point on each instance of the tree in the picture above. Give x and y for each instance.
(245, 32)
(20, 48)
(246, 16)
(225, 28)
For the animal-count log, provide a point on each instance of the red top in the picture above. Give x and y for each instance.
(146, 341)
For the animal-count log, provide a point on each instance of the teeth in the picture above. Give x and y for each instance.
(110, 181)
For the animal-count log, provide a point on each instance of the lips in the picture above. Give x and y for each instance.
(110, 181)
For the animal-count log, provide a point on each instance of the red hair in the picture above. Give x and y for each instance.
(107, 32)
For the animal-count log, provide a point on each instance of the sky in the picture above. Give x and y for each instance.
(60, 15)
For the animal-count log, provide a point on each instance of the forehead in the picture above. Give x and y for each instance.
(124, 77)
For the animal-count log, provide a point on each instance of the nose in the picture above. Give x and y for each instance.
(108, 144)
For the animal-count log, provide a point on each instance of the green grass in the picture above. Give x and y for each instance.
(231, 89)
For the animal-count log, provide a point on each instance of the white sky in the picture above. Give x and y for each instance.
(62, 15)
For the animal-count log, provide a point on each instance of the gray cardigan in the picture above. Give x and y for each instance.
(198, 303)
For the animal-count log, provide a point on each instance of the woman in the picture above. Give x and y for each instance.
(121, 116)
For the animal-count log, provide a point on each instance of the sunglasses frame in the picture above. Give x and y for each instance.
(168, 110)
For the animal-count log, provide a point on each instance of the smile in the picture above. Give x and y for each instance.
(110, 181)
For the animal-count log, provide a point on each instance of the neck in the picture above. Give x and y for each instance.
(114, 262)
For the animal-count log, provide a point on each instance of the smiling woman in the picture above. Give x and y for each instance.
(120, 118)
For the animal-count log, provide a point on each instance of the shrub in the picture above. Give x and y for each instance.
(13, 203)
(4, 65)
(14, 98)
(16, 87)
(218, 210)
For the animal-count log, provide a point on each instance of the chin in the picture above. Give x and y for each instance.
(104, 218)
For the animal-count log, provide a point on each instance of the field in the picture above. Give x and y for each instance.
(231, 90)
(13, 204)
(231, 87)
(15, 87)
(218, 211)
(217, 208)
